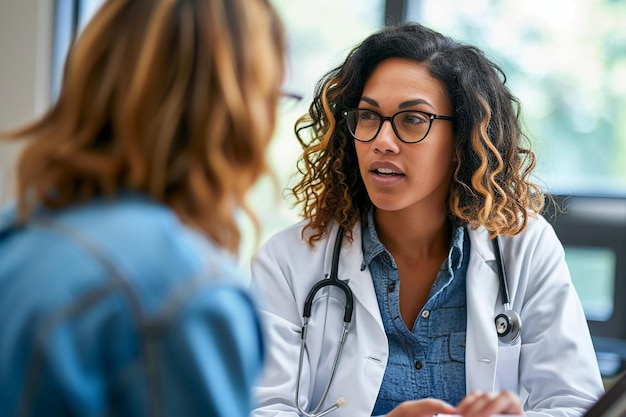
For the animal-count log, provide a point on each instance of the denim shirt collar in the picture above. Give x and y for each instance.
(373, 247)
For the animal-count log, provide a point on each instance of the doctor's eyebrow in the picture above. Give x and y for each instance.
(403, 105)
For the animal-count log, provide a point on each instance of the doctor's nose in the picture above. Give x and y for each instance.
(387, 140)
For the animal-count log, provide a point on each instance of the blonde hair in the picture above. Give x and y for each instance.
(175, 99)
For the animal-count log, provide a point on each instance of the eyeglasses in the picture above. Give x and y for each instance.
(410, 126)
(290, 96)
(288, 102)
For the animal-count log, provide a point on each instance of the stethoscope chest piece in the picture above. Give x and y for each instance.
(508, 326)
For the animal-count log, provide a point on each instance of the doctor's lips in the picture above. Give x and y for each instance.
(385, 169)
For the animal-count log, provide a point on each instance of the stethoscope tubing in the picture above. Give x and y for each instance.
(504, 286)
(329, 280)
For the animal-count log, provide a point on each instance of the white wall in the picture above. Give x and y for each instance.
(26, 37)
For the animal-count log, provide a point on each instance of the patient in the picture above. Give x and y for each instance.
(118, 290)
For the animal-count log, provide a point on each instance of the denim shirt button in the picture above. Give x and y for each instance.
(425, 314)
(391, 287)
(418, 365)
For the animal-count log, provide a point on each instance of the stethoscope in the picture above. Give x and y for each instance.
(334, 281)
(508, 323)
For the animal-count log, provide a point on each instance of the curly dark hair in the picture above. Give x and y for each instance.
(490, 185)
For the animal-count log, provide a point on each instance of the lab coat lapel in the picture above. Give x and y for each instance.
(482, 297)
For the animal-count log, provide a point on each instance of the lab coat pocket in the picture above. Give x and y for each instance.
(507, 368)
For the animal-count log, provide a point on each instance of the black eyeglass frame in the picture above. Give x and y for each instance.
(431, 117)
(291, 96)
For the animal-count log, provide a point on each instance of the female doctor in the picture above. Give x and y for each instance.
(413, 150)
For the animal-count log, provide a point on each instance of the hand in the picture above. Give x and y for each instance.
(484, 404)
(422, 408)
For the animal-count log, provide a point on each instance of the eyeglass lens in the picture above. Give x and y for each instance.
(409, 125)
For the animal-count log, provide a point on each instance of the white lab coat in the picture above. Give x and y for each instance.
(552, 365)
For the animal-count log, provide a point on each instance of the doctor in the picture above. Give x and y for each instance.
(413, 146)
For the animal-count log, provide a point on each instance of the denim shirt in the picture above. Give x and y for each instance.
(429, 361)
